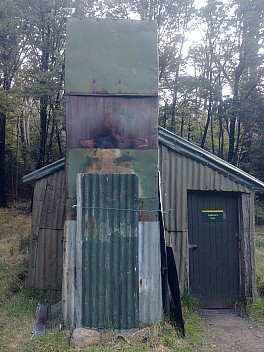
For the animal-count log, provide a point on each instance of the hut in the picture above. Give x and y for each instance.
(96, 232)
(198, 188)
(209, 222)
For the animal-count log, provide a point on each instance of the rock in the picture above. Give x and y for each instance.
(142, 335)
(82, 338)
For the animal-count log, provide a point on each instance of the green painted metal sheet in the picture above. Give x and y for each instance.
(110, 251)
(111, 57)
(143, 163)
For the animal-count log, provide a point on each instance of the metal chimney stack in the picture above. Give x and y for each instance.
(111, 273)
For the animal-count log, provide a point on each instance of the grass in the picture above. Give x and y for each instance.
(18, 306)
(256, 309)
(16, 309)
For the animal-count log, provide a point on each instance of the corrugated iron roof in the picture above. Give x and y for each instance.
(44, 171)
(200, 155)
(182, 147)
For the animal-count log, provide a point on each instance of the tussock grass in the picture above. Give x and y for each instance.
(18, 306)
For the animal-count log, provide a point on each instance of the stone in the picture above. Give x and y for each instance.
(82, 338)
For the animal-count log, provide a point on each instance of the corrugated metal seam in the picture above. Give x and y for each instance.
(200, 155)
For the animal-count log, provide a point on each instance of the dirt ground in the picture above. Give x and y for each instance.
(231, 332)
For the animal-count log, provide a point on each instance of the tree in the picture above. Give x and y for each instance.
(12, 51)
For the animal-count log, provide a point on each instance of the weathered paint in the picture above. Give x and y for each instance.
(111, 57)
(150, 292)
(111, 125)
(107, 161)
(69, 307)
(45, 259)
(108, 218)
(111, 122)
(247, 243)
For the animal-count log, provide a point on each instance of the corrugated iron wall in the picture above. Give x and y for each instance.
(45, 259)
(178, 175)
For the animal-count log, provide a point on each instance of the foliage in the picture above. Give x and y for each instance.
(259, 213)
(211, 67)
(189, 302)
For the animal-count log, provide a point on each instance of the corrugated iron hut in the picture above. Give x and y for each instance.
(111, 243)
(209, 221)
(215, 259)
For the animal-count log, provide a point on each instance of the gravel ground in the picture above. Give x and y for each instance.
(230, 332)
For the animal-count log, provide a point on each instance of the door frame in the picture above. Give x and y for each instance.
(246, 227)
(234, 244)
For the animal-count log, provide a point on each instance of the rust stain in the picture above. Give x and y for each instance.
(146, 282)
(104, 162)
(141, 213)
(109, 137)
(140, 282)
(120, 194)
(86, 229)
(67, 279)
(65, 241)
(93, 224)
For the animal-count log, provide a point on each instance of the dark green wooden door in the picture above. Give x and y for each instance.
(213, 248)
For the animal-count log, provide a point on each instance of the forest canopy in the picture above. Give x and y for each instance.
(211, 70)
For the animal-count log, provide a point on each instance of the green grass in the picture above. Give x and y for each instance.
(256, 309)
(18, 306)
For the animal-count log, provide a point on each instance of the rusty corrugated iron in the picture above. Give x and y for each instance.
(108, 228)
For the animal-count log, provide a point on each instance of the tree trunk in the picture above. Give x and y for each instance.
(43, 130)
(233, 120)
(3, 201)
